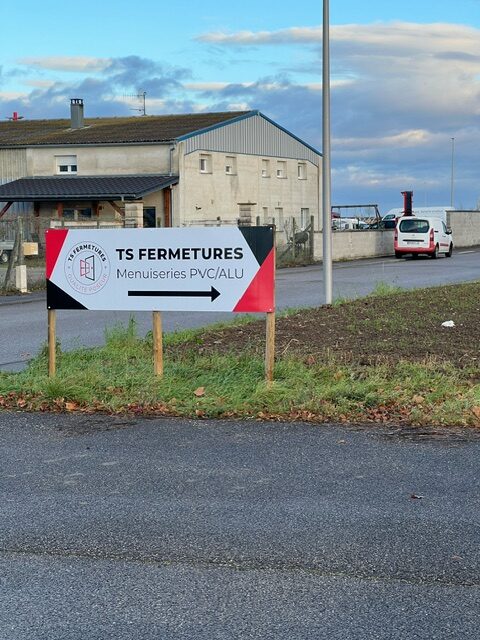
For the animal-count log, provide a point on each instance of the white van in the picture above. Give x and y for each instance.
(428, 236)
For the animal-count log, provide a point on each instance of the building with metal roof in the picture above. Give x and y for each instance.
(169, 170)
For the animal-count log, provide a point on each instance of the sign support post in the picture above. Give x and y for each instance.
(270, 347)
(52, 342)
(157, 343)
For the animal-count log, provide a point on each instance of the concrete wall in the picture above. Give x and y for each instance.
(350, 245)
(204, 197)
(465, 226)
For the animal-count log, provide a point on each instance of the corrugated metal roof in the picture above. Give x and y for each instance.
(83, 187)
(111, 130)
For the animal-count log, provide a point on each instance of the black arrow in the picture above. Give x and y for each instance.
(212, 294)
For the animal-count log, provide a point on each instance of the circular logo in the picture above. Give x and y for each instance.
(87, 268)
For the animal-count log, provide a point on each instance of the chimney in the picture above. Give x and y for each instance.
(407, 203)
(76, 113)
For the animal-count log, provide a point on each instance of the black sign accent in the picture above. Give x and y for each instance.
(58, 299)
(260, 241)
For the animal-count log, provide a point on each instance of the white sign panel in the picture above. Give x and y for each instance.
(195, 269)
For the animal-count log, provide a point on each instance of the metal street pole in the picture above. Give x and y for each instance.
(452, 175)
(326, 173)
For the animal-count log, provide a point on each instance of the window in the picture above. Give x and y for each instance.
(66, 164)
(281, 169)
(302, 171)
(85, 214)
(265, 168)
(77, 213)
(414, 225)
(205, 163)
(230, 165)
(149, 214)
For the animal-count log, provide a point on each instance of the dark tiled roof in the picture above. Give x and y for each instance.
(83, 188)
(110, 130)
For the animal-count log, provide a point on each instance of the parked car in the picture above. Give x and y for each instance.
(388, 221)
(416, 236)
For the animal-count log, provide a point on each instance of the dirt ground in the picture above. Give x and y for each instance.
(388, 328)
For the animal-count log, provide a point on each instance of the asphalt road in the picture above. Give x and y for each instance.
(137, 529)
(23, 325)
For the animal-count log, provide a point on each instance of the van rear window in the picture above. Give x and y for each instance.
(414, 226)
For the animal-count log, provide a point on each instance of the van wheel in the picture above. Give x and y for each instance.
(450, 251)
(4, 257)
(434, 253)
(398, 254)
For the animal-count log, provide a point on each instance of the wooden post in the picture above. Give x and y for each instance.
(312, 239)
(5, 208)
(52, 342)
(157, 344)
(270, 347)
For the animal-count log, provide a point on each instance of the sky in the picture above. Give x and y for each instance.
(405, 78)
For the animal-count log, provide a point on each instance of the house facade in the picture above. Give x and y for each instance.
(178, 170)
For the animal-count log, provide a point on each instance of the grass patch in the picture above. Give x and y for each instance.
(372, 360)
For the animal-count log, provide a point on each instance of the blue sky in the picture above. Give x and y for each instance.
(405, 78)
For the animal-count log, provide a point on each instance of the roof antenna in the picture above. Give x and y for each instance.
(14, 117)
(141, 97)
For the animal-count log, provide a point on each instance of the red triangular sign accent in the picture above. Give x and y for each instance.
(54, 239)
(259, 295)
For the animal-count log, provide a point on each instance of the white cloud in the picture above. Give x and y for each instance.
(77, 64)
(406, 139)
(283, 36)
(39, 84)
(12, 95)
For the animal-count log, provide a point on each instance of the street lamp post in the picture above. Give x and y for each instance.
(452, 173)
(326, 168)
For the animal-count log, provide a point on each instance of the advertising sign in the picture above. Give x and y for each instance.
(194, 269)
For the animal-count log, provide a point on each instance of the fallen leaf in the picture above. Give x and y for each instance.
(71, 406)
(199, 392)
(418, 399)
(476, 411)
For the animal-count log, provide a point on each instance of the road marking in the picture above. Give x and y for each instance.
(471, 251)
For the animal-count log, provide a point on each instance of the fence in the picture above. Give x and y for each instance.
(294, 240)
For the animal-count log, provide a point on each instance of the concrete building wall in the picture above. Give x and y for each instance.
(204, 196)
(102, 160)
